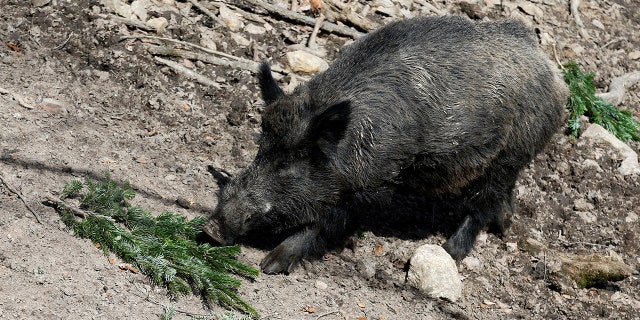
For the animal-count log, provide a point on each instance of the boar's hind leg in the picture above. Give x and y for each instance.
(489, 203)
(311, 242)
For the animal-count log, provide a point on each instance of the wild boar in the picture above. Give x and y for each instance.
(440, 104)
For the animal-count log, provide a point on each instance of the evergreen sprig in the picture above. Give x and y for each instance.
(583, 101)
(162, 247)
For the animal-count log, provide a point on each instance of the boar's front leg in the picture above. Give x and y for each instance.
(489, 204)
(312, 242)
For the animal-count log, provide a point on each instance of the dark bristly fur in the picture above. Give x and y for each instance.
(442, 104)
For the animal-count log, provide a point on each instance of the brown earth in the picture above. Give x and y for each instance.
(78, 101)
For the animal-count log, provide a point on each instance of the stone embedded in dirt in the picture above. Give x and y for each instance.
(582, 205)
(120, 8)
(531, 9)
(321, 285)
(159, 24)
(207, 39)
(40, 3)
(302, 61)
(367, 268)
(587, 216)
(634, 55)
(599, 135)
(434, 273)
(631, 217)
(591, 165)
(240, 40)
(471, 263)
(254, 29)
(230, 18)
(596, 23)
(139, 10)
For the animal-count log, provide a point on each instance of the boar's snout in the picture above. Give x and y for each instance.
(212, 228)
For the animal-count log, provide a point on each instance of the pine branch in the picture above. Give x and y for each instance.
(162, 247)
(583, 101)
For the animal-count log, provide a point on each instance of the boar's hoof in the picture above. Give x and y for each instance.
(282, 259)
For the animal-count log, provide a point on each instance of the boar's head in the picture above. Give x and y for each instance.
(291, 180)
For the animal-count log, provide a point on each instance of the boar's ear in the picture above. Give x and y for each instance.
(328, 128)
(270, 90)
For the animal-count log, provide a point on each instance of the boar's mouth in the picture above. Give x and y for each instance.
(212, 228)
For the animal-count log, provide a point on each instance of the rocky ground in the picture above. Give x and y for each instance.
(82, 91)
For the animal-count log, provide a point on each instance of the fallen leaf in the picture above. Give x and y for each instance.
(308, 309)
(15, 46)
(153, 133)
(129, 267)
(327, 257)
(484, 306)
(112, 260)
(360, 304)
(362, 318)
(97, 245)
(378, 249)
(186, 106)
(316, 4)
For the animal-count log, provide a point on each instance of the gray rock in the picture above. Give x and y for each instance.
(582, 205)
(434, 273)
(600, 135)
(302, 61)
(471, 263)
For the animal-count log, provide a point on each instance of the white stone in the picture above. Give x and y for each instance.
(634, 55)
(120, 8)
(531, 9)
(159, 24)
(240, 40)
(302, 61)
(631, 217)
(139, 10)
(471, 263)
(434, 273)
(230, 18)
(599, 134)
(587, 217)
(254, 29)
(582, 205)
(321, 285)
(596, 23)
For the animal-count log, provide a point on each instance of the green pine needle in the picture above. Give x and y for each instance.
(583, 101)
(163, 247)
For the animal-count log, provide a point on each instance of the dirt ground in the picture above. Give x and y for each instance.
(77, 100)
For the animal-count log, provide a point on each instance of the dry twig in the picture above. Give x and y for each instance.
(65, 42)
(184, 43)
(19, 195)
(208, 12)
(326, 26)
(338, 11)
(239, 63)
(312, 38)
(189, 73)
(576, 16)
(60, 203)
(130, 22)
(616, 92)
